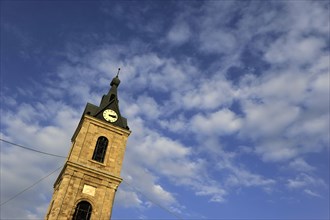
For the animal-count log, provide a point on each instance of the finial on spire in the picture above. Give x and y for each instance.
(118, 72)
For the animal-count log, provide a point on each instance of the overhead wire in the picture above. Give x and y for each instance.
(27, 148)
(29, 187)
(49, 154)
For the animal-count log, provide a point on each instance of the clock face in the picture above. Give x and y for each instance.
(110, 115)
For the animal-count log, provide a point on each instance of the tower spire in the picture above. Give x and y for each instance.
(108, 101)
(115, 82)
(118, 72)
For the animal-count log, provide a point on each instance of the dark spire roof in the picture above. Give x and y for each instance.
(109, 101)
(114, 85)
(115, 81)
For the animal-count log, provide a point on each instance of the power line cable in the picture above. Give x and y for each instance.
(54, 155)
(27, 148)
(13, 197)
(151, 200)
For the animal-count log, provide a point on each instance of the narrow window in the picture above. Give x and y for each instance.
(83, 211)
(100, 149)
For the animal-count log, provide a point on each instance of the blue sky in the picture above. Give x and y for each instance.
(228, 103)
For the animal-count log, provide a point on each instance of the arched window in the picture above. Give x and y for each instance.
(83, 211)
(100, 149)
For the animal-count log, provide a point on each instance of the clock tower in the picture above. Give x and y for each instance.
(86, 186)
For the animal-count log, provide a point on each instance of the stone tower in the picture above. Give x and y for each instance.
(86, 186)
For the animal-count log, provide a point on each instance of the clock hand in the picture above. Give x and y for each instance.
(113, 116)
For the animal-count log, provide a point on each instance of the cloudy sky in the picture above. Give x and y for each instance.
(228, 103)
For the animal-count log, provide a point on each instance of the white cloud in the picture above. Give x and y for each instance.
(311, 193)
(179, 33)
(214, 36)
(242, 177)
(318, 87)
(316, 22)
(237, 175)
(145, 182)
(45, 126)
(285, 110)
(177, 124)
(208, 94)
(271, 118)
(148, 107)
(158, 148)
(162, 194)
(214, 40)
(221, 122)
(312, 127)
(217, 194)
(169, 158)
(301, 165)
(295, 49)
(275, 150)
(304, 180)
(274, 86)
(19, 170)
(127, 198)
